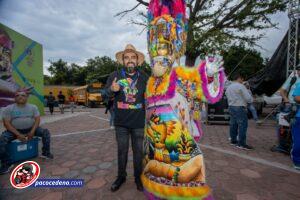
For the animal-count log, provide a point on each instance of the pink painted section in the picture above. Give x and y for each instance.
(204, 79)
(170, 92)
(169, 7)
(199, 129)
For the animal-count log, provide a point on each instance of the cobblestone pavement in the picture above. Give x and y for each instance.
(84, 147)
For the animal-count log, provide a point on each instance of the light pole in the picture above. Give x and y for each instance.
(293, 47)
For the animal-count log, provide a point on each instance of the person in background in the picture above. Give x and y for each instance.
(110, 108)
(289, 86)
(72, 102)
(250, 106)
(295, 153)
(61, 101)
(21, 121)
(51, 102)
(238, 98)
(284, 134)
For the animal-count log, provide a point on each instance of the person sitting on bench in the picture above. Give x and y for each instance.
(21, 121)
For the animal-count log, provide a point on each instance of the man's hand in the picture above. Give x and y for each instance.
(115, 87)
(22, 138)
(30, 135)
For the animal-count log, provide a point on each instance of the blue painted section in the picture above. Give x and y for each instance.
(15, 68)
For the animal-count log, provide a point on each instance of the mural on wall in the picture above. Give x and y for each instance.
(21, 67)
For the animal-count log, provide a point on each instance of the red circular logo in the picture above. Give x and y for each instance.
(25, 174)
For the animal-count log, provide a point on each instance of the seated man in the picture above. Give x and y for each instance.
(21, 121)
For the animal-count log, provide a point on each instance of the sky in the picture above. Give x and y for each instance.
(76, 30)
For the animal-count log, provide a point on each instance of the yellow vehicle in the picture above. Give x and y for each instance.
(88, 95)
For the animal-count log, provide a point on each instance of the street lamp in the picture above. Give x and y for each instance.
(293, 47)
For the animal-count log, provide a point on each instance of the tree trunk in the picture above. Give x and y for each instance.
(190, 59)
(190, 54)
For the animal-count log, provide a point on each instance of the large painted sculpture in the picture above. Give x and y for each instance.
(173, 163)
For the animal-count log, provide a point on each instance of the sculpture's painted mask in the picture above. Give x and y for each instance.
(166, 34)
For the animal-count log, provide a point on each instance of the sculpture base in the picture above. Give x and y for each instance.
(157, 191)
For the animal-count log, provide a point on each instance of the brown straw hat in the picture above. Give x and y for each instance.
(130, 48)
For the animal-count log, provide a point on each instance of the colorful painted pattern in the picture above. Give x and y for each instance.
(130, 90)
(191, 82)
(174, 163)
(122, 105)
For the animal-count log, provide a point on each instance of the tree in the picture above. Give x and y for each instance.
(77, 74)
(64, 74)
(99, 68)
(96, 70)
(215, 24)
(58, 71)
(47, 80)
(244, 60)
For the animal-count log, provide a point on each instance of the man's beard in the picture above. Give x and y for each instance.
(130, 69)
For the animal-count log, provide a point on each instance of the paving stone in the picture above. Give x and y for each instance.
(94, 162)
(105, 165)
(245, 197)
(101, 173)
(71, 174)
(109, 158)
(93, 150)
(52, 196)
(229, 176)
(89, 169)
(59, 171)
(69, 163)
(78, 166)
(221, 162)
(89, 195)
(250, 173)
(96, 183)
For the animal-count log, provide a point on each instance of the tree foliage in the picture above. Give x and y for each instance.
(244, 60)
(95, 70)
(216, 25)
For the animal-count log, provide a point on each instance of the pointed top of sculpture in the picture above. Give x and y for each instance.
(173, 8)
(168, 28)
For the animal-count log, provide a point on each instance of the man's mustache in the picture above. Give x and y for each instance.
(131, 63)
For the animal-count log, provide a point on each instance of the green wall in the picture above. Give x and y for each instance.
(26, 65)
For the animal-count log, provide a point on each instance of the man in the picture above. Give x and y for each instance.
(51, 102)
(21, 121)
(238, 97)
(289, 86)
(128, 87)
(251, 106)
(61, 101)
(72, 102)
(284, 132)
(296, 130)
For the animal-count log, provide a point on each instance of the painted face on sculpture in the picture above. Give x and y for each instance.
(163, 62)
(162, 49)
